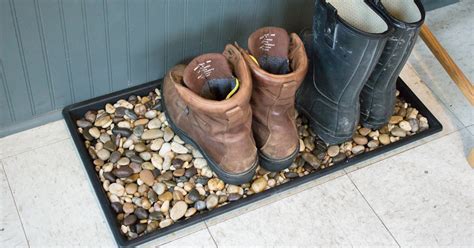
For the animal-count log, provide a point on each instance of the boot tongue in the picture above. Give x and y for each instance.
(210, 76)
(270, 47)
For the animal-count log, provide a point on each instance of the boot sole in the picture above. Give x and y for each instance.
(230, 178)
(275, 165)
(322, 134)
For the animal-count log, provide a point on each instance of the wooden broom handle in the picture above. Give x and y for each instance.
(447, 62)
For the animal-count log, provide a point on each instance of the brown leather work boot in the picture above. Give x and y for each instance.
(208, 105)
(278, 64)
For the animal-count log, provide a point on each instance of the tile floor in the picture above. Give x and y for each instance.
(420, 195)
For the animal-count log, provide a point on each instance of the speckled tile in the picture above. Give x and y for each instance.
(54, 198)
(331, 214)
(425, 195)
(450, 25)
(197, 239)
(11, 231)
(33, 138)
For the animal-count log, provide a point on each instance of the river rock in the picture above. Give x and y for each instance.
(94, 132)
(104, 121)
(150, 114)
(157, 215)
(90, 116)
(178, 210)
(141, 213)
(140, 109)
(414, 125)
(339, 158)
(333, 151)
(200, 163)
(190, 172)
(212, 201)
(311, 159)
(130, 114)
(364, 131)
(167, 196)
(193, 195)
(140, 227)
(398, 132)
(120, 112)
(233, 197)
(200, 205)
(147, 177)
(206, 172)
(145, 156)
(116, 189)
(128, 208)
(131, 188)
(168, 134)
(123, 172)
(165, 148)
(373, 144)
(405, 125)
(358, 149)
(83, 123)
(109, 108)
(103, 154)
(359, 139)
(166, 223)
(190, 212)
(130, 220)
(123, 161)
(117, 207)
(138, 130)
(109, 145)
(395, 119)
(159, 188)
(124, 132)
(154, 124)
(259, 185)
(384, 139)
(124, 124)
(215, 184)
(178, 148)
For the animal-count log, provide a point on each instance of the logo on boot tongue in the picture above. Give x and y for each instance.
(266, 42)
(204, 69)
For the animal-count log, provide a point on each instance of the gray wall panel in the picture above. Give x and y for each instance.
(57, 52)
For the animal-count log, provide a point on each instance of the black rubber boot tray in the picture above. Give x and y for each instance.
(157, 195)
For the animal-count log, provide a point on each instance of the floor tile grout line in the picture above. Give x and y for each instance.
(373, 210)
(212, 237)
(14, 202)
(35, 148)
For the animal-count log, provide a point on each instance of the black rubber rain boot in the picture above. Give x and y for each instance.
(377, 99)
(348, 40)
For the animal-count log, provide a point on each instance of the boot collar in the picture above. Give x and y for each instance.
(298, 62)
(198, 103)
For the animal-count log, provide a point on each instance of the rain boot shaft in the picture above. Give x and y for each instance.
(343, 56)
(377, 99)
